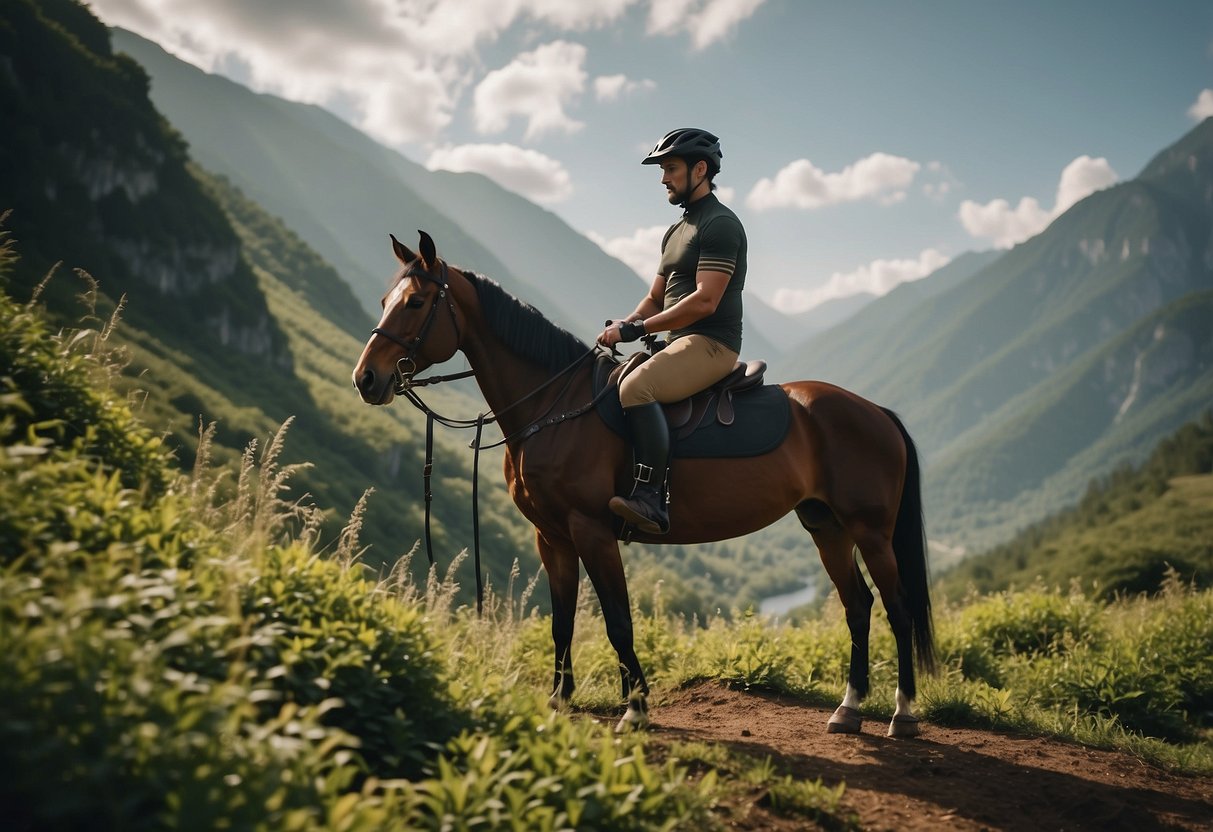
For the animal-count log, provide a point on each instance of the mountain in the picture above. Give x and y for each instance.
(845, 349)
(343, 192)
(1073, 352)
(1129, 529)
(229, 317)
(96, 179)
(786, 331)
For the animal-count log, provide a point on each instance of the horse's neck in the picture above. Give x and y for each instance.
(519, 390)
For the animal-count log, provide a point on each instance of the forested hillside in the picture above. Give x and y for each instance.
(1127, 532)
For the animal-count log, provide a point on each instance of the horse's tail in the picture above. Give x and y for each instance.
(910, 549)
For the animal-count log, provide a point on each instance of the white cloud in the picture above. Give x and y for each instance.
(613, 87)
(536, 85)
(801, 184)
(641, 251)
(726, 194)
(878, 278)
(398, 68)
(1005, 226)
(574, 15)
(1081, 178)
(365, 52)
(526, 172)
(706, 21)
(1203, 108)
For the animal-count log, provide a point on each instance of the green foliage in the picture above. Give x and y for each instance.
(322, 634)
(739, 772)
(552, 773)
(1128, 530)
(1030, 624)
(1155, 676)
(1142, 664)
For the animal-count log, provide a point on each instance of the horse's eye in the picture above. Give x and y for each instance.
(414, 302)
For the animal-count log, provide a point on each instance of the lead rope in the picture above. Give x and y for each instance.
(426, 471)
(476, 517)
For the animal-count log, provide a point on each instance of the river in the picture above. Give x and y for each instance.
(778, 605)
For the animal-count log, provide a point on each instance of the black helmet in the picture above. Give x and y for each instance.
(688, 143)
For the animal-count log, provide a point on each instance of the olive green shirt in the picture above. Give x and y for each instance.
(708, 237)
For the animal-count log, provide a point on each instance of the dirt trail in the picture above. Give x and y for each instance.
(949, 778)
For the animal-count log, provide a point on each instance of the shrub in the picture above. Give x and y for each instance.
(1032, 623)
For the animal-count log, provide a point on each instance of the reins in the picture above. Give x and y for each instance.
(405, 386)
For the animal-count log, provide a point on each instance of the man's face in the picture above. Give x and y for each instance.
(674, 175)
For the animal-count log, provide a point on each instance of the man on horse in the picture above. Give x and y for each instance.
(696, 297)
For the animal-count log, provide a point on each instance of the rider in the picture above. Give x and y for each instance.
(696, 297)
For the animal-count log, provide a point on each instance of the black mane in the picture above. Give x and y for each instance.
(524, 329)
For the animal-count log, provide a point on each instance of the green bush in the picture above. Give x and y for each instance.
(1032, 623)
(552, 773)
(101, 731)
(329, 635)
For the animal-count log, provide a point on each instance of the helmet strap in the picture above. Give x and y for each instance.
(690, 189)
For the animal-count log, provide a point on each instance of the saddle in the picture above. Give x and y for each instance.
(684, 417)
(699, 425)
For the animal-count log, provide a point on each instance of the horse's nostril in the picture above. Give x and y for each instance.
(366, 380)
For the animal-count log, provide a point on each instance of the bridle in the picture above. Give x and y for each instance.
(405, 385)
(404, 379)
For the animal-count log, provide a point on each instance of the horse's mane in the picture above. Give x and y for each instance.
(523, 328)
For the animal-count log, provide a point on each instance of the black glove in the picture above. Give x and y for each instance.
(631, 331)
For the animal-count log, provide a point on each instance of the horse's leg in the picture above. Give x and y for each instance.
(561, 566)
(877, 550)
(838, 557)
(599, 552)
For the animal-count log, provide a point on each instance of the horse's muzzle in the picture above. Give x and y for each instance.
(374, 388)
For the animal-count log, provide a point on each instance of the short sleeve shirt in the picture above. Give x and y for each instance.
(708, 237)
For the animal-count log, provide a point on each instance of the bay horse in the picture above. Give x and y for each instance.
(847, 467)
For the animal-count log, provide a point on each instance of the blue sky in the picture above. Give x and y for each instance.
(865, 143)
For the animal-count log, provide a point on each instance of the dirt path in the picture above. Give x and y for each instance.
(949, 778)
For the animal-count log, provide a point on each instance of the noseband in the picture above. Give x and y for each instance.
(404, 378)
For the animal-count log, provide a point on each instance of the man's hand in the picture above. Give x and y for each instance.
(621, 331)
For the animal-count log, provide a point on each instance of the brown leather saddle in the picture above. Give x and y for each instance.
(713, 405)
(739, 416)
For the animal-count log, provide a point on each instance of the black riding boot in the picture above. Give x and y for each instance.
(646, 508)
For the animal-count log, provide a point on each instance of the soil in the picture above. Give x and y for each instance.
(947, 778)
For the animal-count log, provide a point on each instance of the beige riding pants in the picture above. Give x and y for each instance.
(689, 364)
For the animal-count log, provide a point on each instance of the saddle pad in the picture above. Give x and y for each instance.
(761, 423)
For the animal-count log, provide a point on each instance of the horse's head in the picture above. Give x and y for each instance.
(420, 325)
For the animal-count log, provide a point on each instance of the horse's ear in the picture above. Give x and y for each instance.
(429, 254)
(402, 254)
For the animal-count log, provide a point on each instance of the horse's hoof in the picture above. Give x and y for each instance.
(844, 721)
(904, 726)
(635, 719)
(557, 702)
